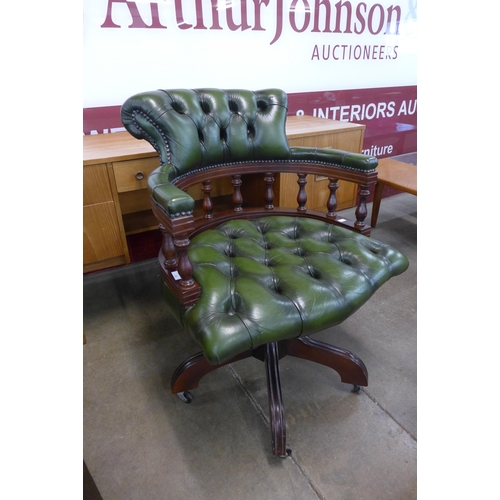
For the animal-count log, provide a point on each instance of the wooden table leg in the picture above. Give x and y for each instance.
(377, 197)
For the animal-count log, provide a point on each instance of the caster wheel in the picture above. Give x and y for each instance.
(185, 396)
(288, 452)
(356, 389)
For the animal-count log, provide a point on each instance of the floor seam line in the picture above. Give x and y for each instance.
(265, 417)
(391, 416)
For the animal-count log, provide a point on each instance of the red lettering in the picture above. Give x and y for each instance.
(137, 21)
(328, 15)
(279, 20)
(390, 11)
(229, 17)
(215, 16)
(371, 16)
(338, 7)
(349, 19)
(257, 5)
(180, 17)
(361, 19)
(307, 16)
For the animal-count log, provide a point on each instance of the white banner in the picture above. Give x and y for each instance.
(296, 45)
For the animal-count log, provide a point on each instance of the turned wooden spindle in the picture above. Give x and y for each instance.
(208, 206)
(184, 266)
(269, 194)
(302, 195)
(168, 249)
(332, 200)
(361, 210)
(237, 198)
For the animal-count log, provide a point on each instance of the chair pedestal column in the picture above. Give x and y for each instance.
(275, 398)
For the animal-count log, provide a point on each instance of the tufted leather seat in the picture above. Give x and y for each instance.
(246, 280)
(277, 278)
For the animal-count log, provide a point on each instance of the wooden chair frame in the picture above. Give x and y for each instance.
(174, 260)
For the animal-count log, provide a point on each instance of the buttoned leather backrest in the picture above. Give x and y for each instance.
(193, 129)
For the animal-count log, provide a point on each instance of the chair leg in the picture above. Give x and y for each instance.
(276, 411)
(188, 374)
(350, 368)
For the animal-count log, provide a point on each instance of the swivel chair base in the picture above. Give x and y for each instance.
(350, 368)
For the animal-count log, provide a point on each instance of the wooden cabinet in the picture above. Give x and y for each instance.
(104, 242)
(116, 199)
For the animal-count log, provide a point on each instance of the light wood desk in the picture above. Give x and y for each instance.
(395, 174)
(116, 199)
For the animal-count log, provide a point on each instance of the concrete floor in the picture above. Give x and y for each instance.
(142, 443)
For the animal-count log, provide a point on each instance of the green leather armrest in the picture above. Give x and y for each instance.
(173, 200)
(351, 161)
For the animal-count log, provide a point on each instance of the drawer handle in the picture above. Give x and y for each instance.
(139, 176)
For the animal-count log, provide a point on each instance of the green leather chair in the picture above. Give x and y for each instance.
(246, 280)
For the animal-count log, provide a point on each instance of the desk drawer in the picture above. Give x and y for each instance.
(132, 175)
